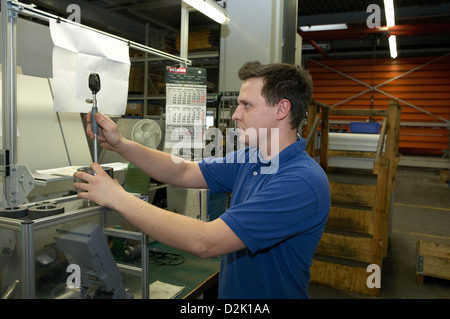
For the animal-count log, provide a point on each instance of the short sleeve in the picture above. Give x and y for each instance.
(220, 173)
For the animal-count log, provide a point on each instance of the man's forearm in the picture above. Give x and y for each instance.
(162, 166)
(203, 239)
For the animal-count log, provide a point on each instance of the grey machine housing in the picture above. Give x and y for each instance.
(86, 246)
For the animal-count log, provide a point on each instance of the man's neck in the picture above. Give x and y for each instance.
(275, 143)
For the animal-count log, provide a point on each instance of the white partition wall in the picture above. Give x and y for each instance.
(258, 30)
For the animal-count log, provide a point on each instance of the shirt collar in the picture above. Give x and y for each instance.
(285, 154)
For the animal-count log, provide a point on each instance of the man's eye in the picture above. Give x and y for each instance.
(247, 105)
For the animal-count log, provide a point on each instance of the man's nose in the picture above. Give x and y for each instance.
(237, 114)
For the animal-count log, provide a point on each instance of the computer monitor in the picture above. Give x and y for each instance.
(86, 246)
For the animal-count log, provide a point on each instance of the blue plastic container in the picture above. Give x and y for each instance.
(365, 127)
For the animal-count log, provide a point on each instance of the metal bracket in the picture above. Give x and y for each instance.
(21, 184)
(419, 264)
(21, 181)
(11, 12)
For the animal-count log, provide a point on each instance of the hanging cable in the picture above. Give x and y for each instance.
(372, 80)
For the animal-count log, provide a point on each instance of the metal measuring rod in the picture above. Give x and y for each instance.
(94, 86)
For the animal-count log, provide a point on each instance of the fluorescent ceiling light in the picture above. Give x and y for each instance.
(390, 22)
(389, 12)
(211, 9)
(324, 27)
(393, 46)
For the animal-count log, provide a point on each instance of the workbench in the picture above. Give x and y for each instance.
(195, 274)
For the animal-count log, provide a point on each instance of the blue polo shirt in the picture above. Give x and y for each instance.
(278, 210)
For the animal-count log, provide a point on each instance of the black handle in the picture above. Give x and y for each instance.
(94, 83)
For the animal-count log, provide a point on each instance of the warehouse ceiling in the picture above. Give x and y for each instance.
(422, 26)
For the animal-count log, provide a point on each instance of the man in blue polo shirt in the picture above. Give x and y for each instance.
(280, 196)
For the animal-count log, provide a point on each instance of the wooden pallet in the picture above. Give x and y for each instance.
(433, 259)
(356, 234)
(341, 273)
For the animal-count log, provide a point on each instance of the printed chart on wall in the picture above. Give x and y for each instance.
(185, 108)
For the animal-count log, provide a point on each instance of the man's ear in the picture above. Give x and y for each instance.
(284, 106)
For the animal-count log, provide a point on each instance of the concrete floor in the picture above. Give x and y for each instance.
(421, 211)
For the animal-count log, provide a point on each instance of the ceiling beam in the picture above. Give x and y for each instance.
(319, 49)
(357, 33)
(361, 16)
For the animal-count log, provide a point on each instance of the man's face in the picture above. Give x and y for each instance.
(253, 115)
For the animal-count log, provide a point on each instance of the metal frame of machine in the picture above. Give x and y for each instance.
(27, 230)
